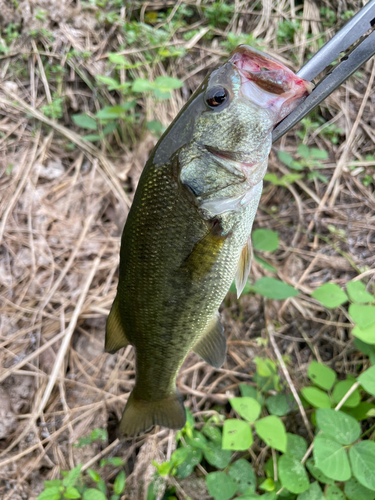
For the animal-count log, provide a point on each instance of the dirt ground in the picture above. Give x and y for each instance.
(64, 201)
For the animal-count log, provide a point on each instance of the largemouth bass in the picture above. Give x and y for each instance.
(187, 235)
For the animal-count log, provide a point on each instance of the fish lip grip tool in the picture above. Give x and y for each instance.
(358, 35)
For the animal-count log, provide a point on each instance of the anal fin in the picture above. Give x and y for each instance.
(115, 336)
(212, 346)
(243, 268)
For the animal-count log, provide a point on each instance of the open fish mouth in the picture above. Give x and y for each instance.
(269, 83)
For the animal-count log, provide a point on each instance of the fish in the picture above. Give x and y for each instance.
(188, 232)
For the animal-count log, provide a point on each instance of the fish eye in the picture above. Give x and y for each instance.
(216, 96)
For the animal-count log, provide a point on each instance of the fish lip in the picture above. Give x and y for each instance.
(236, 156)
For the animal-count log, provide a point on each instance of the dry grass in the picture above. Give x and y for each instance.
(63, 205)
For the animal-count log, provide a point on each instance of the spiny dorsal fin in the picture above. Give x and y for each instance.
(212, 346)
(243, 268)
(115, 337)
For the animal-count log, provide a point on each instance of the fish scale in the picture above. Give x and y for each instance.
(187, 235)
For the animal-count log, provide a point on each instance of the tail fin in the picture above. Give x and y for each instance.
(139, 415)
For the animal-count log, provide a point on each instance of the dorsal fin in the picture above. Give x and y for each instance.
(243, 268)
(115, 336)
(212, 346)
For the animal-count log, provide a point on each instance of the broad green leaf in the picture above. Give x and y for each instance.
(212, 433)
(72, 477)
(142, 85)
(180, 455)
(280, 404)
(362, 458)
(71, 492)
(243, 475)
(265, 367)
(109, 128)
(94, 475)
(360, 411)
(342, 427)
(216, 456)
(91, 138)
(316, 397)
(111, 82)
(155, 126)
(265, 240)
(248, 391)
(303, 151)
(220, 485)
(117, 58)
(119, 484)
(50, 494)
(110, 112)
(236, 435)
(52, 482)
(116, 461)
(264, 264)
(356, 491)
(165, 83)
(162, 95)
(273, 288)
(341, 388)
(330, 295)
(317, 473)
(321, 375)
(357, 292)
(285, 158)
(267, 485)
(319, 154)
(313, 493)
(334, 493)
(296, 446)
(193, 458)
(197, 440)
(293, 475)
(367, 349)
(92, 494)
(331, 458)
(272, 430)
(85, 121)
(363, 315)
(366, 334)
(367, 380)
(247, 408)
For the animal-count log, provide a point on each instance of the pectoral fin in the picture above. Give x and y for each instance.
(243, 268)
(212, 346)
(115, 336)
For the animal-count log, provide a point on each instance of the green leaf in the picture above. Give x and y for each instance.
(85, 121)
(94, 475)
(303, 151)
(264, 264)
(313, 493)
(319, 154)
(248, 391)
(357, 292)
(321, 375)
(356, 491)
(193, 458)
(142, 85)
(116, 461)
(50, 494)
(366, 334)
(162, 95)
(280, 404)
(72, 477)
(334, 493)
(330, 295)
(109, 128)
(265, 367)
(331, 458)
(117, 58)
(165, 83)
(362, 458)
(265, 240)
(92, 494)
(296, 446)
(110, 82)
(72, 493)
(341, 388)
(155, 126)
(216, 456)
(293, 475)
(342, 427)
(247, 408)
(285, 158)
(360, 411)
(180, 455)
(367, 380)
(220, 485)
(119, 484)
(317, 473)
(362, 315)
(53, 482)
(316, 397)
(197, 440)
(272, 430)
(236, 435)
(243, 475)
(90, 138)
(273, 288)
(212, 433)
